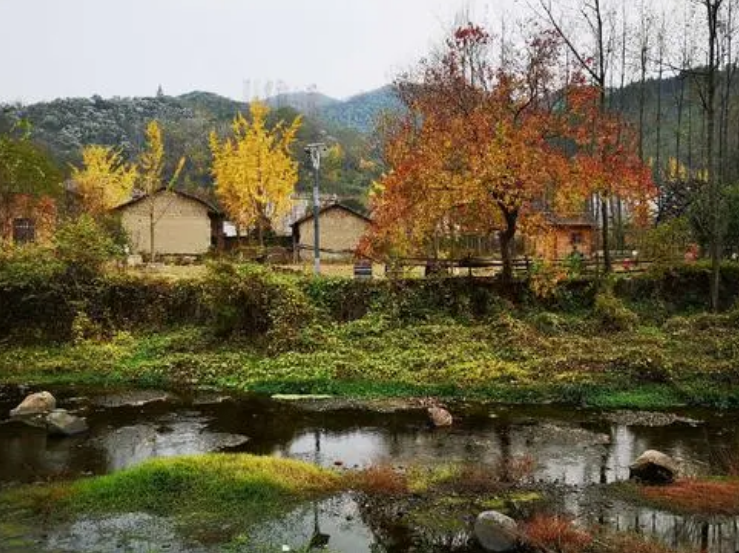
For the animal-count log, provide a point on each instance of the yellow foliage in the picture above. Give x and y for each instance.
(151, 178)
(104, 180)
(254, 171)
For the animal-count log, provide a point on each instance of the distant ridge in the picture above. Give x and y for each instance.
(359, 112)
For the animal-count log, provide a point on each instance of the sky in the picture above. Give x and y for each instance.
(63, 48)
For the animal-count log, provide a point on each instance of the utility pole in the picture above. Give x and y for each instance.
(315, 151)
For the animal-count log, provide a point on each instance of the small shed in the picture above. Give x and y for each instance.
(567, 236)
(184, 224)
(340, 227)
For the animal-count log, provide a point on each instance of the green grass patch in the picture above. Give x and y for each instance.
(513, 357)
(216, 486)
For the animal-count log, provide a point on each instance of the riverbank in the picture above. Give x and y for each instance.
(514, 356)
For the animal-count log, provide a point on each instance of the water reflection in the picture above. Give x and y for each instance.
(715, 535)
(572, 447)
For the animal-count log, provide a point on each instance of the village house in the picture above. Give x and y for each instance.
(340, 227)
(28, 219)
(184, 224)
(567, 236)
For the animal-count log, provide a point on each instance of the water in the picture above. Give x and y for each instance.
(575, 450)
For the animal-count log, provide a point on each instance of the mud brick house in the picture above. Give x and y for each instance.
(341, 229)
(184, 224)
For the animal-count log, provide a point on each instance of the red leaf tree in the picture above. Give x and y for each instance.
(488, 147)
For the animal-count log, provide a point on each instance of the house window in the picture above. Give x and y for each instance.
(576, 238)
(24, 231)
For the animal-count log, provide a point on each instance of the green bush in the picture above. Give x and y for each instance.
(84, 246)
(549, 323)
(28, 266)
(252, 301)
(612, 314)
(667, 243)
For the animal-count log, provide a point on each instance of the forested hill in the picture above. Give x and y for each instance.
(358, 113)
(65, 126)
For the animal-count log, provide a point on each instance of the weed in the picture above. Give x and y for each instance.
(556, 534)
(693, 496)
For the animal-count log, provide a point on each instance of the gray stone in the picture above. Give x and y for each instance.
(60, 423)
(496, 532)
(439, 417)
(653, 467)
(35, 404)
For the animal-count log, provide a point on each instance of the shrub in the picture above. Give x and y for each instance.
(545, 279)
(547, 322)
(28, 266)
(667, 242)
(556, 534)
(84, 246)
(612, 314)
(382, 480)
(252, 301)
(342, 299)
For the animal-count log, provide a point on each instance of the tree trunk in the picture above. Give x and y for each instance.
(152, 226)
(607, 266)
(713, 7)
(506, 244)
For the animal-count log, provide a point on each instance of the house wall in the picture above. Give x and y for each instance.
(183, 226)
(558, 242)
(42, 211)
(340, 231)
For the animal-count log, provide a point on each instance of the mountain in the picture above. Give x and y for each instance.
(306, 102)
(65, 126)
(358, 112)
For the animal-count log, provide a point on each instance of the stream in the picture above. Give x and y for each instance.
(576, 451)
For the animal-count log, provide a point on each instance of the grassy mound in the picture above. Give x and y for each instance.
(213, 486)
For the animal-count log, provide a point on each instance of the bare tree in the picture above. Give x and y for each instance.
(645, 34)
(594, 58)
(711, 162)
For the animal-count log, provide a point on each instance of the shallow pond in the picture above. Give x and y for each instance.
(575, 452)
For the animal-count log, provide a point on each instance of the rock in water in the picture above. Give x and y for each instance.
(653, 467)
(439, 417)
(496, 532)
(35, 404)
(59, 422)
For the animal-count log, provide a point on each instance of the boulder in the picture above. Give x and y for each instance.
(439, 417)
(653, 467)
(60, 423)
(496, 532)
(35, 404)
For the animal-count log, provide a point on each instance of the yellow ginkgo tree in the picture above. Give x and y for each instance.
(104, 180)
(254, 171)
(152, 179)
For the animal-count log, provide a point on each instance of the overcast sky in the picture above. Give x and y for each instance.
(58, 48)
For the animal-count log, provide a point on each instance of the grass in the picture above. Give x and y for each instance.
(204, 489)
(514, 357)
(556, 534)
(690, 496)
(220, 497)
